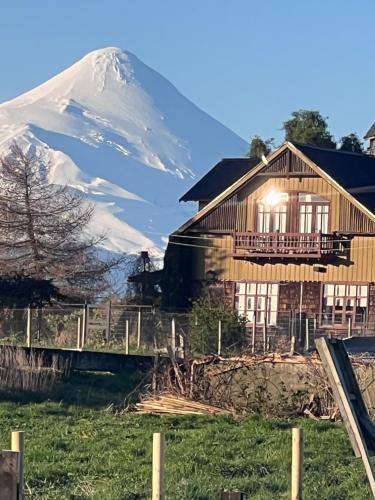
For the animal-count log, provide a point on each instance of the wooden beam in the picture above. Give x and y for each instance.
(338, 379)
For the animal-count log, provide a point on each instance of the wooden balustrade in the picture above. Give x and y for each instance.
(291, 245)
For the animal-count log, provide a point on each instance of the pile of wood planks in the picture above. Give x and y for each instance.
(170, 404)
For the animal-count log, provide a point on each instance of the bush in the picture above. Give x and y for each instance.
(206, 312)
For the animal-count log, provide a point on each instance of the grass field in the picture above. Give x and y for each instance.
(79, 447)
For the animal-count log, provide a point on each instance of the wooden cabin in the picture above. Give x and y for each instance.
(292, 234)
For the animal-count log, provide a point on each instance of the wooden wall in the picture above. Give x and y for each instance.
(218, 257)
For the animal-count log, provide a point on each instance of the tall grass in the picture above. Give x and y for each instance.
(22, 370)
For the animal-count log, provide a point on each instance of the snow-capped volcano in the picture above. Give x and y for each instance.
(118, 131)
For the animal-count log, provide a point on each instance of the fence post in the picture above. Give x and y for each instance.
(219, 338)
(18, 444)
(173, 333)
(127, 337)
(139, 329)
(28, 327)
(293, 335)
(297, 463)
(84, 326)
(79, 333)
(158, 466)
(265, 333)
(307, 340)
(108, 329)
(254, 334)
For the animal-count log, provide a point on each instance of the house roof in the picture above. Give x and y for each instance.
(352, 174)
(370, 132)
(355, 172)
(222, 175)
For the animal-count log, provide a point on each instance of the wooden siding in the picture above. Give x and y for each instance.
(351, 219)
(360, 267)
(227, 217)
(287, 163)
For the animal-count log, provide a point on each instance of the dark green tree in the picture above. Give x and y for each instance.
(308, 127)
(259, 147)
(351, 142)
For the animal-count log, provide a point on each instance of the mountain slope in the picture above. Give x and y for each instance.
(118, 131)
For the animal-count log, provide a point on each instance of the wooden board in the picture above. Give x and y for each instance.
(349, 399)
(8, 475)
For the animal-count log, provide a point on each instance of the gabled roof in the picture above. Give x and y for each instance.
(370, 132)
(353, 171)
(222, 175)
(352, 174)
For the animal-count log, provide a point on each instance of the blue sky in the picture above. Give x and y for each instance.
(247, 63)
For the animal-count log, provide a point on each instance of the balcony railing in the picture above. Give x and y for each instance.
(286, 245)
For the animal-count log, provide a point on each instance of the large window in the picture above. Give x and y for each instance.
(272, 214)
(257, 301)
(293, 212)
(313, 213)
(341, 302)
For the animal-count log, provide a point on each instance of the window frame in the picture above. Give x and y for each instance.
(267, 312)
(344, 314)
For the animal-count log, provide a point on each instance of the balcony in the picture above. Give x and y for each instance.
(284, 245)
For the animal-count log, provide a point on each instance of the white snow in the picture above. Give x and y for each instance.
(119, 132)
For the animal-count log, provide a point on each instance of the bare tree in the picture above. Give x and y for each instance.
(44, 228)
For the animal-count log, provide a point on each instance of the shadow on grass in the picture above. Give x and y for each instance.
(87, 389)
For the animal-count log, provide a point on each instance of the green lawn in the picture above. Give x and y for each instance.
(79, 448)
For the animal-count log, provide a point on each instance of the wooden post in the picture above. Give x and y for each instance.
(254, 334)
(265, 333)
(139, 329)
(108, 328)
(173, 333)
(297, 463)
(18, 444)
(28, 327)
(349, 326)
(127, 337)
(219, 339)
(158, 466)
(182, 346)
(84, 326)
(307, 340)
(293, 335)
(79, 333)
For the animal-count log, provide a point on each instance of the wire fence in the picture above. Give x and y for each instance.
(146, 330)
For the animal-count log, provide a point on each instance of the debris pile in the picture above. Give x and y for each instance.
(170, 404)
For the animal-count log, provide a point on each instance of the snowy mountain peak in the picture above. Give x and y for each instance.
(118, 131)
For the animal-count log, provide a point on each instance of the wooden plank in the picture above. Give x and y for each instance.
(8, 475)
(338, 381)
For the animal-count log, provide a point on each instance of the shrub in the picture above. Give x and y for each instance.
(206, 312)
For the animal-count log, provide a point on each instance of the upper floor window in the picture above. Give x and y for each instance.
(272, 213)
(313, 213)
(293, 213)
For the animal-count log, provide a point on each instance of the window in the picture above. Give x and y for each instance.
(272, 218)
(257, 300)
(313, 213)
(341, 302)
